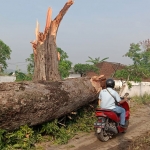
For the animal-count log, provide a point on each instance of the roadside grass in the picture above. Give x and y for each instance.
(145, 99)
(139, 101)
(143, 141)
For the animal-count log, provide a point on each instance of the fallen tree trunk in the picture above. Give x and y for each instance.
(33, 103)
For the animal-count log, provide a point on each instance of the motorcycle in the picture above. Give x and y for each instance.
(108, 122)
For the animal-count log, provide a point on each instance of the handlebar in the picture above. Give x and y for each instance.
(125, 96)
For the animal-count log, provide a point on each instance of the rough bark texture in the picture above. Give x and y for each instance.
(45, 48)
(33, 103)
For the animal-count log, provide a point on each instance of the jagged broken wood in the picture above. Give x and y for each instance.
(33, 103)
(46, 57)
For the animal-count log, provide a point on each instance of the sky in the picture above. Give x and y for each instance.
(95, 28)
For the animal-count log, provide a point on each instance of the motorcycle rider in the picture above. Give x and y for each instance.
(107, 101)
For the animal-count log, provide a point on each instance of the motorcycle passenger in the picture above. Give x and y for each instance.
(107, 101)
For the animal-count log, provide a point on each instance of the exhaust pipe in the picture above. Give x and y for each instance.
(113, 130)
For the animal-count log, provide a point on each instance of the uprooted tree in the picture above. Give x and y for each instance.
(47, 97)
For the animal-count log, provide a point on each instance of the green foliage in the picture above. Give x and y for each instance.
(24, 138)
(30, 66)
(58, 134)
(82, 122)
(96, 60)
(20, 76)
(5, 52)
(129, 84)
(64, 67)
(141, 64)
(64, 64)
(145, 99)
(2, 144)
(84, 68)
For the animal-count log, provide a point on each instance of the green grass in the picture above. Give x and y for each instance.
(145, 99)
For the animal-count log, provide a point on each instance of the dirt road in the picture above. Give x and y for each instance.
(139, 124)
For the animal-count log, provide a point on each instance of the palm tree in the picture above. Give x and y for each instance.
(96, 60)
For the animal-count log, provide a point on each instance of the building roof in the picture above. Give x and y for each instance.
(107, 68)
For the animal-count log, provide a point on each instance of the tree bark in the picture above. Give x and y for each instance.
(33, 103)
(45, 48)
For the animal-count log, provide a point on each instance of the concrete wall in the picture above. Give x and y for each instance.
(138, 89)
(74, 75)
(7, 79)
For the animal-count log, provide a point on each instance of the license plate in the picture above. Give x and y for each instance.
(99, 124)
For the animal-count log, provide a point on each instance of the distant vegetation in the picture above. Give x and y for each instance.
(140, 69)
(5, 53)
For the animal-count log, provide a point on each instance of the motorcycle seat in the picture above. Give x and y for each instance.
(108, 110)
(102, 109)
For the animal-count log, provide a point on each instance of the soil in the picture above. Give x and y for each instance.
(138, 127)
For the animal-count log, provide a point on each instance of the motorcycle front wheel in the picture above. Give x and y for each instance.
(102, 137)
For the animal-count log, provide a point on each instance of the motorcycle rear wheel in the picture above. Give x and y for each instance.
(102, 137)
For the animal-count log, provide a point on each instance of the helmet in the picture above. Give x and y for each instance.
(110, 83)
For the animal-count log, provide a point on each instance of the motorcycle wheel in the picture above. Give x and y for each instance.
(102, 137)
(127, 124)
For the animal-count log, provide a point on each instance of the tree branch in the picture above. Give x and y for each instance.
(59, 17)
(48, 21)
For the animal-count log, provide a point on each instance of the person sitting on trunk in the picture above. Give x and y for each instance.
(107, 101)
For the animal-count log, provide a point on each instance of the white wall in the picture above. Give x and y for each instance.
(7, 79)
(74, 76)
(138, 89)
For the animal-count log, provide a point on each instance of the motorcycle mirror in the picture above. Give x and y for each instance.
(126, 94)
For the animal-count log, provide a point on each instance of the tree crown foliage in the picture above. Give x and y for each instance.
(64, 64)
(141, 64)
(84, 68)
(96, 60)
(30, 66)
(5, 52)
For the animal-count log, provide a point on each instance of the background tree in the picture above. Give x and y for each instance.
(5, 52)
(141, 64)
(30, 66)
(146, 45)
(64, 64)
(84, 68)
(96, 60)
(20, 76)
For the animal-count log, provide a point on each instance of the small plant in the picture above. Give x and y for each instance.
(24, 138)
(81, 122)
(2, 132)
